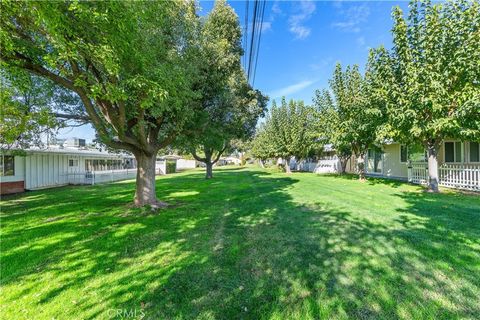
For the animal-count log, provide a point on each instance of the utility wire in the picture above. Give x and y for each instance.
(245, 37)
(258, 42)
(254, 24)
(251, 41)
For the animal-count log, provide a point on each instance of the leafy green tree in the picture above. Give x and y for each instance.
(262, 147)
(354, 115)
(431, 76)
(32, 110)
(124, 60)
(24, 117)
(226, 106)
(328, 120)
(288, 132)
(233, 119)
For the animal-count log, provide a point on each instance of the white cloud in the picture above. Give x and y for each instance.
(353, 17)
(361, 41)
(303, 11)
(266, 25)
(294, 88)
(326, 62)
(276, 8)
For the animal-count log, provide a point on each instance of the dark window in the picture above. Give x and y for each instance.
(449, 152)
(415, 153)
(474, 152)
(7, 165)
(458, 152)
(370, 153)
(403, 153)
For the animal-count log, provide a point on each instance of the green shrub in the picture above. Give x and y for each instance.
(171, 166)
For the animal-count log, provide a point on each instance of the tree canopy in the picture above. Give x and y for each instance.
(225, 106)
(133, 65)
(431, 76)
(288, 132)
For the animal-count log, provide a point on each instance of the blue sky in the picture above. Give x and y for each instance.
(302, 41)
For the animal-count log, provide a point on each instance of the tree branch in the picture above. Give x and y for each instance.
(220, 153)
(194, 154)
(72, 117)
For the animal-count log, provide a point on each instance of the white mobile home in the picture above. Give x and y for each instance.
(51, 167)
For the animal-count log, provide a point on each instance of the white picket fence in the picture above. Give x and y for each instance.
(460, 176)
(418, 173)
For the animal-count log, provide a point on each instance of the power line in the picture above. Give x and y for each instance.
(245, 29)
(251, 52)
(254, 25)
(258, 43)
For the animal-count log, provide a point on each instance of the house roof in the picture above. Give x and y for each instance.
(170, 157)
(76, 151)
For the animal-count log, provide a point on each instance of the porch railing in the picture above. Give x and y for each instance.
(460, 176)
(96, 177)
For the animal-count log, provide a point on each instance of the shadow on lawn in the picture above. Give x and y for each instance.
(238, 246)
(371, 180)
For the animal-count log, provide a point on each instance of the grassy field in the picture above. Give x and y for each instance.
(249, 244)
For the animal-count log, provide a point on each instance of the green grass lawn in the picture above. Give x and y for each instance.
(248, 244)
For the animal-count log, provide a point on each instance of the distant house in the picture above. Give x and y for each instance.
(180, 163)
(328, 162)
(71, 163)
(224, 161)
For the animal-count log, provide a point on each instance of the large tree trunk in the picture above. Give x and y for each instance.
(145, 191)
(287, 165)
(209, 171)
(261, 163)
(343, 164)
(432, 149)
(361, 166)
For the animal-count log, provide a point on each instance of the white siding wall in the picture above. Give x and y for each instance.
(183, 164)
(392, 167)
(45, 170)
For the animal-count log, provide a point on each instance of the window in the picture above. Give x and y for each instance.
(474, 152)
(453, 151)
(72, 163)
(7, 165)
(103, 165)
(414, 153)
(403, 153)
(374, 161)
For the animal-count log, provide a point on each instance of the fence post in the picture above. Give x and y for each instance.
(409, 171)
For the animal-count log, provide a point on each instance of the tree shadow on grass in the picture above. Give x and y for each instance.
(240, 246)
(371, 180)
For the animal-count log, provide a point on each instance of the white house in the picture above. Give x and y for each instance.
(57, 166)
